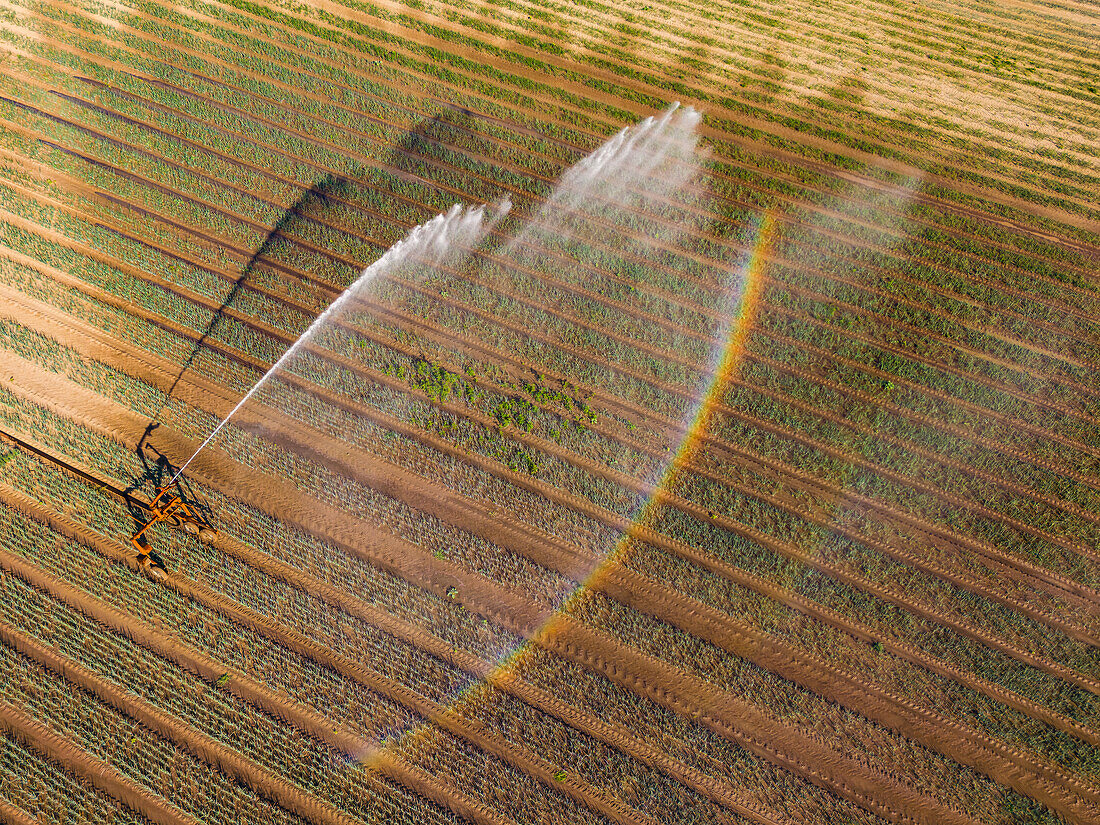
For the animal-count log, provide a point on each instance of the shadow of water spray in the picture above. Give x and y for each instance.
(317, 193)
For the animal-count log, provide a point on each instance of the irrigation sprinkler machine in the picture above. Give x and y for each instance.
(175, 510)
(172, 505)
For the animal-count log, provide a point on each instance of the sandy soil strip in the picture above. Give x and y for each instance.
(861, 784)
(11, 815)
(974, 632)
(62, 327)
(62, 751)
(310, 722)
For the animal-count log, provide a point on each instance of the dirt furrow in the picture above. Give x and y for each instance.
(466, 344)
(209, 750)
(970, 748)
(786, 432)
(916, 334)
(584, 293)
(315, 725)
(1004, 763)
(834, 771)
(244, 321)
(445, 718)
(796, 160)
(278, 103)
(929, 728)
(741, 577)
(11, 815)
(939, 395)
(472, 732)
(261, 366)
(75, 760)
(502, 679)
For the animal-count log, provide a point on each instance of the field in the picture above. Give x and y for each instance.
(743, 470)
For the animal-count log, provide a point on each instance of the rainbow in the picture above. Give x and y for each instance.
(724, 369)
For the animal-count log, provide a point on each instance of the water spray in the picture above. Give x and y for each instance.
(431, 243)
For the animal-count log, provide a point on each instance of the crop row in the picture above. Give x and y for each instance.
(193, 619)
(137, 752)
(476, 440)
(42, 789)
(518, 350)
(551, 67)
(255, 648)
(932, 773)
(219, 714)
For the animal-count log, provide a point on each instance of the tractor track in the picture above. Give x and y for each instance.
(729, 629)
(681, 692)
(986, 638)
(1062, 308)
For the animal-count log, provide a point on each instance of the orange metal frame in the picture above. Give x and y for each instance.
(163, 508)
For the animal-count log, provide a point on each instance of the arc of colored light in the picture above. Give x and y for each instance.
(737, 328)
